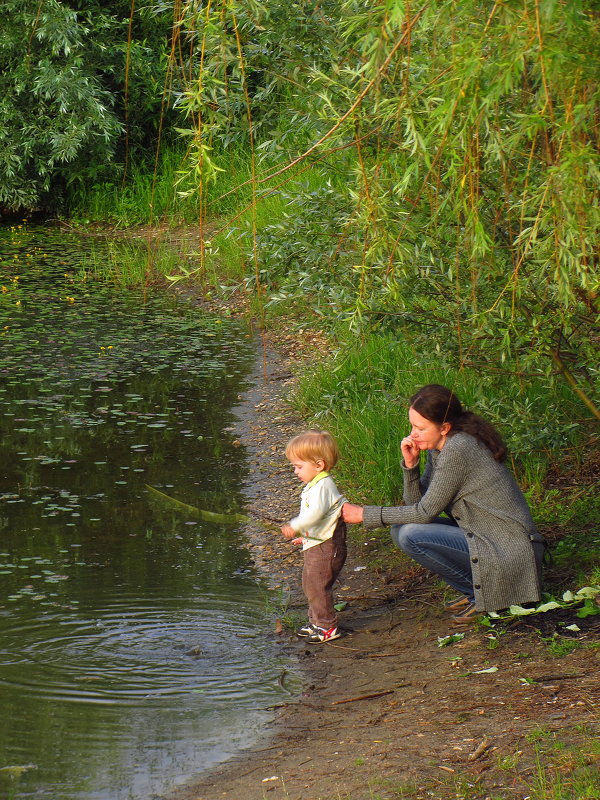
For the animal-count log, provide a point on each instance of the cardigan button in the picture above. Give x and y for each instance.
(474, 560)
(477, 586)
(470, 535)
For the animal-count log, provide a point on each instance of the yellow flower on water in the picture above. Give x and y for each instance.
(4, 290)
(71, 299)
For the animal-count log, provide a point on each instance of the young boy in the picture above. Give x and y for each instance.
(319, 528)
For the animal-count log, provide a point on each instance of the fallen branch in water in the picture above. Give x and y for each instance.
(219, 519)
(206, 516)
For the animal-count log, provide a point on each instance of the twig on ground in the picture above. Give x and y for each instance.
(381, 655)
(479, 750)
(363, 697)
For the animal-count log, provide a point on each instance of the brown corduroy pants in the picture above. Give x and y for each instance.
(322, 565)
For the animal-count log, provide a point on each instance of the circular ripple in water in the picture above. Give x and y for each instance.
(136, 696)
(127, 653)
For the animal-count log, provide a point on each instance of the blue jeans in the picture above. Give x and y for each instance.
(440, 546)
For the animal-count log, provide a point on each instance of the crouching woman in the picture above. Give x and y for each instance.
(486, 547)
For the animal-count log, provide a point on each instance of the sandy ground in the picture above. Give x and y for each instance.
(385, 712)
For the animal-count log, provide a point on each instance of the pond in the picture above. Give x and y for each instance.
(135, 640)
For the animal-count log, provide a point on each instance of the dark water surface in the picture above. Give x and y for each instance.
(134, 641)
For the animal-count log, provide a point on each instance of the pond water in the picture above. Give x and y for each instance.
(135, 644)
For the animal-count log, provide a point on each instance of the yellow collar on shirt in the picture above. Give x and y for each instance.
(317, 478)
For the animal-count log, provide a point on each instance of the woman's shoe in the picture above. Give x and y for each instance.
(467, 616)
(457, 604)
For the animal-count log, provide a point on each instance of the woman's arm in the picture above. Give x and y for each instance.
(445, 483)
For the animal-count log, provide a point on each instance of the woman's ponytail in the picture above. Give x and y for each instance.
(482, 430)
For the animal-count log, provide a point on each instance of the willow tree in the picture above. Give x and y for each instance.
(479, 188)
(469, 208)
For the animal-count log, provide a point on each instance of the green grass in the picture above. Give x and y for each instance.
(143, 199)
(362, 397)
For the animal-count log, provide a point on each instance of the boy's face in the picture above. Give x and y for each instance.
(307, 470)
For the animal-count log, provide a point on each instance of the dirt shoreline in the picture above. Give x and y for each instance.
(386, 712)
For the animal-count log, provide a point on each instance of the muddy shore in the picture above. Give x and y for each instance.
(385, 711)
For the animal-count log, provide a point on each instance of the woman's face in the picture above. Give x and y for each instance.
(425, 434)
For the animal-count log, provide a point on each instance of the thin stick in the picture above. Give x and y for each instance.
(362, 697)
(220, 519)
(479, 750)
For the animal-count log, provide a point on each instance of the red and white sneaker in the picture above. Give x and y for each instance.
(320, 635)
(306, 630)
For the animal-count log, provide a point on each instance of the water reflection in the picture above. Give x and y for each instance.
(133, 645)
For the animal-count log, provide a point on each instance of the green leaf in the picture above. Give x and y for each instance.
(519, 611)
(589, 609)
(547, 607)
(445, 641)
(587, 592)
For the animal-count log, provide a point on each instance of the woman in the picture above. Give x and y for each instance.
(487, 547)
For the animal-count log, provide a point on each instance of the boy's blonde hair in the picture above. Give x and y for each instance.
(313, 446)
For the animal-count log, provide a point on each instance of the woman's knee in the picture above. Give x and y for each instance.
(404, 536)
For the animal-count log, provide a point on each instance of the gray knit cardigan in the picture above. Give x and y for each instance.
(464, 480)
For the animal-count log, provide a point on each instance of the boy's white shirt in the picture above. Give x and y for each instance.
(320, 507)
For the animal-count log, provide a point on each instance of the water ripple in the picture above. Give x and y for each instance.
(127, 653)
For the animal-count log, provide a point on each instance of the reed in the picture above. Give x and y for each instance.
(137, 262)
(147, 197)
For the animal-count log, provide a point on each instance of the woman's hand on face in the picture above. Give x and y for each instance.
(410, 452)
(352, 514)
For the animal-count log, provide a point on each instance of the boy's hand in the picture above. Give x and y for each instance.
(298, 540)
(288, 531)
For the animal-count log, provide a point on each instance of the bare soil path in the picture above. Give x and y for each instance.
(386, 712)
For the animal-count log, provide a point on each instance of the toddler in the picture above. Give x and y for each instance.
(319, 528)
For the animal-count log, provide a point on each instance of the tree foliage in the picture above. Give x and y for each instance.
(471, 192)
(454, 144)
(74, 81)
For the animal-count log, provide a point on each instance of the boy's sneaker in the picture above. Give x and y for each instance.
(306, 630)
(320, 635)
